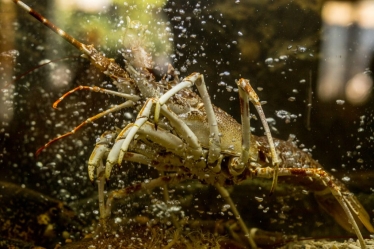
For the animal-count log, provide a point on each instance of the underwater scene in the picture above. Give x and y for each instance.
(186, 124)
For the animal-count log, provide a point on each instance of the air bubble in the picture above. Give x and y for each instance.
(183, 69)
(225, 207)
(301, 49)
(259, 199)
(229, 88)
(340, 102)
(282, 114)
(11, 53)
(226, 73)
(346, 179)
(269, 61)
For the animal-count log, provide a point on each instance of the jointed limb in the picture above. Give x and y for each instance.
(135, 188)
(126, 104)
(245, 88)
(97, 89)
(146, 131)
(334, 189)
(225, 194)
(198, 80)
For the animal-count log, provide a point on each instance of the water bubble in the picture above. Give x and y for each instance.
(301, 49)
(346, 179)
(117, 220)
(282, 114)
(226, 73)
(240, 33)
(269, 61)
(176, 18)
(229, 88)
(225, 207)
(10, 53)
(259, 199)
(340, 102)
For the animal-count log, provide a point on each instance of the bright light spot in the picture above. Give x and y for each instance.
(84, 5)
(358, 88)
(364, 15)
(337, 13)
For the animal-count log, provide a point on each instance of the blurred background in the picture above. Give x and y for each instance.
(311, 63)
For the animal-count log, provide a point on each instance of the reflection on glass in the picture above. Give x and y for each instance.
(347, 49)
